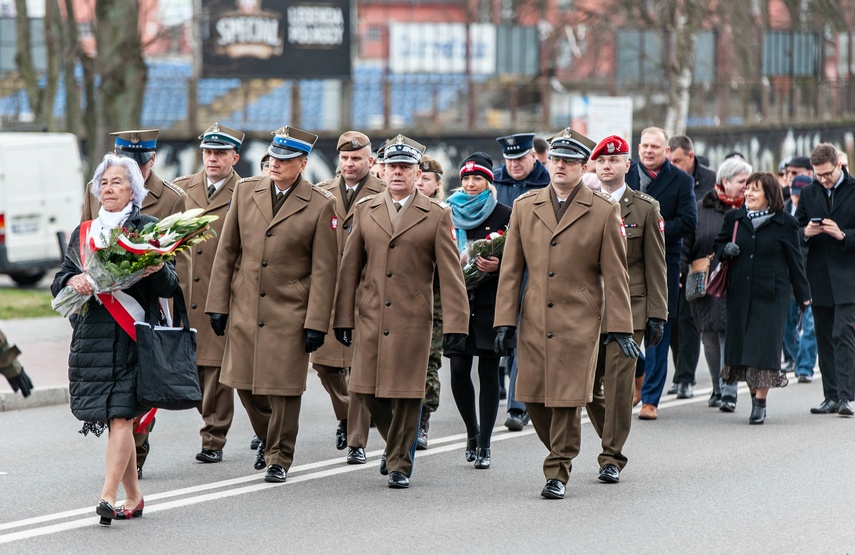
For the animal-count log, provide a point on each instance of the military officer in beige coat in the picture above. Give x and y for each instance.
(611, 409)
(332, 361)
(570, 240)
(210, 190)
(400, 238)
(163, 199)
(271, 293)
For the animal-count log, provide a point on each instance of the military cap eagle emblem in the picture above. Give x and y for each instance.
(610, 147)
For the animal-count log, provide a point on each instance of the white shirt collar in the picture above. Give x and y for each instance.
(216, 185)
(617, 195)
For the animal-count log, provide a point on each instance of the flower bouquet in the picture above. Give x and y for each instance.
(115, 259)
(493, 245)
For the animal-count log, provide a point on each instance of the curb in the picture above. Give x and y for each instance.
(41, 397)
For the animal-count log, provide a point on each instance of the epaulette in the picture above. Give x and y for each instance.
(644, 196)
(439, 203)
(526, 195)
(182, 177)
(248, 179)
(606, 196)
(324, 184)
(175, 188)
(363, 199)
(322, 191)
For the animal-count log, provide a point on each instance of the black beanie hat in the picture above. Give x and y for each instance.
(478, 163)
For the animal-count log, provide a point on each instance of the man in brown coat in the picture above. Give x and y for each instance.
(399, 239)
(332, 361)
(273, 283)
(570, 241)
(611, 409)
(210, 190)
(163, 199)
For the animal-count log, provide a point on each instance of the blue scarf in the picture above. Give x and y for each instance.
(470, 211)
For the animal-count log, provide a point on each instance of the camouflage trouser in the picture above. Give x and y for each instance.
(431, 401)
(9, 365)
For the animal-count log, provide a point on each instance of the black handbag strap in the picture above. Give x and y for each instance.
(735, 225)
(180, 309)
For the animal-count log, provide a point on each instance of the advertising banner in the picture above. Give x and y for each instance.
(441, 48)
(283, 39)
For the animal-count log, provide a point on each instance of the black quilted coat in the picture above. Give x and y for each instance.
(103, 357)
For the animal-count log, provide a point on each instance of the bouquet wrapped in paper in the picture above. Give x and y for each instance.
(493, 245)
(125, 254)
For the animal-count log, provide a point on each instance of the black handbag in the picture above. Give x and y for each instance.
(167, 376)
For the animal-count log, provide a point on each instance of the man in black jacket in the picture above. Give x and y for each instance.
(826, 212)
(674, 189)
(685, 339)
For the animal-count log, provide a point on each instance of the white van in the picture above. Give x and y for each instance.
(41, 195)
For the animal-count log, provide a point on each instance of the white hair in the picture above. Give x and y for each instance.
(134, 176)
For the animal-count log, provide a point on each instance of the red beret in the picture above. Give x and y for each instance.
(609, 146)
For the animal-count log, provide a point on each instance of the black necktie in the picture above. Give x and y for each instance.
(397, 206)
(211, 191)
(560, 204)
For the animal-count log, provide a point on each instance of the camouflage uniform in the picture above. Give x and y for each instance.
(431, 402)
(12, 369)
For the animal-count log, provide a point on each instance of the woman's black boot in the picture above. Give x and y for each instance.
(471, 446)
(483, 458)
(758, 411)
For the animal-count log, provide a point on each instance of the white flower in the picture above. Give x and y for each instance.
(189, 215)
(169, 221)
(168, 238)
(493, 236)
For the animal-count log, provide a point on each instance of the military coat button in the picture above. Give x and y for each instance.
(264, 264)
(388, 303)
(193, 306)
(268, 234)
(196, 279)
(549, 335)
(388, 274)
(261, 324)
(262, 294)
(385, 332)
(551, 274)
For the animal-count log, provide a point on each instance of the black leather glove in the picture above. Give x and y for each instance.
(344, 336)
(22, 382)
(453, 341)
(314, 340)
(218, 323)
(627, 345)
(654, 331)
(730, 251)
(504, 334)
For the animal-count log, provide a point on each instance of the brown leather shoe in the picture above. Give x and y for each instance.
(636, 394)
(648, 412)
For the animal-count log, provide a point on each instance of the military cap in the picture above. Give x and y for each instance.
(352, 140)
(402, 150)
(516, 146)
(570, 144)
(290, 142)
(609, 146)
(220, 137)
(138, 144)
(429, 164)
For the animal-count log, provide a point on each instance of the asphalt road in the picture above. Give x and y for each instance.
(698, 480)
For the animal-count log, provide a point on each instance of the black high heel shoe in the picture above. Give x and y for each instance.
(483, 459)
(106, 511)
(471, 445)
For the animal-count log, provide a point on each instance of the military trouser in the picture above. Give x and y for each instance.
(431, 401)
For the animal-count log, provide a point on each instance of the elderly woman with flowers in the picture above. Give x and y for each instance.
(477, 215)
(103, 355)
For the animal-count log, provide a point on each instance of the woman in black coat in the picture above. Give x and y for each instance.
(476, 214)
(103, 356)
(765, 265)
(708, 312)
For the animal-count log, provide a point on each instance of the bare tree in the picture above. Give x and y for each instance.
(41, 99)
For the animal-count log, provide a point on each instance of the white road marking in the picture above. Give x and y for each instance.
(453, 442)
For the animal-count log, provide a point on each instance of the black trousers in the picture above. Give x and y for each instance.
(686, 346)
(835, 339)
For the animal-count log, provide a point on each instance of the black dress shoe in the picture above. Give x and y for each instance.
(383, 470)
(397, 480)
(844, 408)
(355, 455)
(471, 445)
(728, 404)
(259, 457)
(610, 474)
(208, 456)
(107, 513)
(516, 420)
(553, 489)
(827, 407)
(275, 473)
(483, 459)
(715, 400)
(684, 391)
(672, 390)
(341, 435)
(253, 443)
